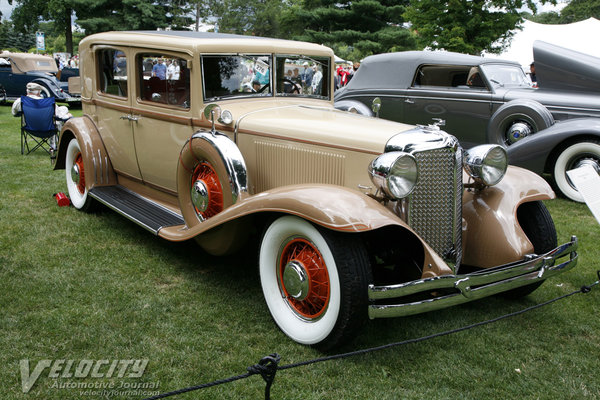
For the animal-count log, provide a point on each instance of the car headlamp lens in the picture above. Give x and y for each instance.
(395, 173)
(486, 163)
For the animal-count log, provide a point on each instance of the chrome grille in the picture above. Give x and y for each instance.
(434, 207)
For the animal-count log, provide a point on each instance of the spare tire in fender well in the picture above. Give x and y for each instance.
(528, 111)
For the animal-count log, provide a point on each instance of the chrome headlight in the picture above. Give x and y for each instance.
(486, 163)
(395, 173)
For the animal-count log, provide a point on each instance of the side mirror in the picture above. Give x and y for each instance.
(376, 106)
(212, 112)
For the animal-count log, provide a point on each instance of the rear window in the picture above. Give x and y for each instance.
(112, 70)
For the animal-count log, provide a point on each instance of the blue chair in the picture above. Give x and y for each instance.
(38, 124)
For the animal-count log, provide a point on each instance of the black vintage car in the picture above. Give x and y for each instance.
(18, 69)
(485, 100)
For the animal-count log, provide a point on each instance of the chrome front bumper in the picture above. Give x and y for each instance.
(471, 286)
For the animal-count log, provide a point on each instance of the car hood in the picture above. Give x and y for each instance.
(325, 126)
(559, 68)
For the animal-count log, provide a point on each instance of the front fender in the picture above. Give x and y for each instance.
(491, 232)
(53, 86)
(95, 156)
(334, 207)
(534, 151)
(331, 206)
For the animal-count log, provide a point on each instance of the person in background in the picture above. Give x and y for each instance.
(532, 74)
(306, 76)
(159, 70)
(61, 113)
(316, 80)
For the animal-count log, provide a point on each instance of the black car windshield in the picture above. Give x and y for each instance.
(501, 75)
(244, 75)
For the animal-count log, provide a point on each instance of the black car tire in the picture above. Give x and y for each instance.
(530, 112)
(537, 223)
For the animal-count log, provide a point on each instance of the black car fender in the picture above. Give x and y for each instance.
(537, 152)
(51, 87)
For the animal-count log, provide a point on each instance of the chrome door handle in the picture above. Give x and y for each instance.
(130, 117)
(409, 101)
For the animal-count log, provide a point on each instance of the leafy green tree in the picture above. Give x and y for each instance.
(354, 29)
(257, 18)
(579, 10)
(12, 40)
(548, 18)
(467, 26)
(107, 15)
(28, 13)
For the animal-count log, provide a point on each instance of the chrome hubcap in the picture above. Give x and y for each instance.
(75, 174)
(588, 161)
(200, 196)
(295, 280)
(518, 131)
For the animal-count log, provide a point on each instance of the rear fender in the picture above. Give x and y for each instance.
(95, 157)
(491, 232)
(536, 152)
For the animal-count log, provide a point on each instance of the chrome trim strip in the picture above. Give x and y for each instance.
(472, 286)
(101, 175)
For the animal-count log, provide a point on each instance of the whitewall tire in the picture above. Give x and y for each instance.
(314, 282)
(75, 176)
(571, 157)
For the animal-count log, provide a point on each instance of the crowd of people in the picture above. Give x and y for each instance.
(343, 75)
(64, 62)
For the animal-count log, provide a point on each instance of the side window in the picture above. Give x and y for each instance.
(163, 79)
(449, 76)
(112, 72)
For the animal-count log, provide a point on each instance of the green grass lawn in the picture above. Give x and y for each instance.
(79, 286)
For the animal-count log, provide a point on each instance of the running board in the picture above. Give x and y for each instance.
(142, 211)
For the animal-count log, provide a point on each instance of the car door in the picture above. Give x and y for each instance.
(112, 111)
(457, 94)
(161, 115)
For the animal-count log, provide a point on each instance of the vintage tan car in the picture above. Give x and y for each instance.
(217, 137)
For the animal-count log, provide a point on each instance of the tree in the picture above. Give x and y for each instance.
(467, 26)
(579, 10)
(548, 18)
(28, 13)
(354, 29)
(257, 18)
(106, 15)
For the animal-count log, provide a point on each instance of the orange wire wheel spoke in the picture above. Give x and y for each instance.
(304, 279)
(206, 191)
(81, 181)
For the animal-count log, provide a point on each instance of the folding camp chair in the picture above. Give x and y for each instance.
(38, 124)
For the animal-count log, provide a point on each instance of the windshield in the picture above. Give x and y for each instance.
(501, 75)
(226, 76)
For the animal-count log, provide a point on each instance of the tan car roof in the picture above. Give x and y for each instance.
(24, 62)
(205, 42)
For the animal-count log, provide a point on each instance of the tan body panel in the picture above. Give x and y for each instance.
(491, 232)
(96, 161)
(330, 206)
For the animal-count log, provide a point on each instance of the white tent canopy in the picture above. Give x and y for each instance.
(579, 36)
